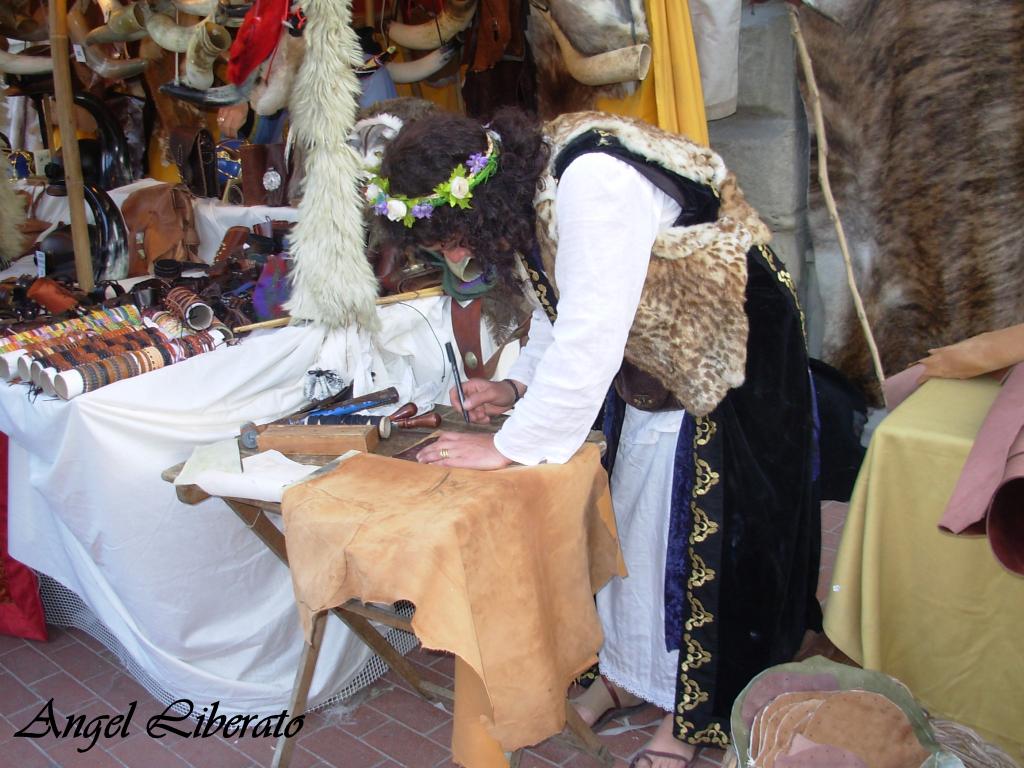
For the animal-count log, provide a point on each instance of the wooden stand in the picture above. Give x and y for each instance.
(356, 615)
(69, 142)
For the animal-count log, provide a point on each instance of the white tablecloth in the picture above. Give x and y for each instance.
(212, 216)
(195, 598)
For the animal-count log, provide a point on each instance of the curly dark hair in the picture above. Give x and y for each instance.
(501, 218)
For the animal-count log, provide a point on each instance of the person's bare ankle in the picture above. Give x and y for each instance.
(592, 704)
(663, 741)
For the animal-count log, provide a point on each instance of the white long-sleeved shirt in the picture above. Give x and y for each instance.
(608, 216)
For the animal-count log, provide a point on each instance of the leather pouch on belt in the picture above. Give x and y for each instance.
(195, 154)
(264, 174)
(642, 390)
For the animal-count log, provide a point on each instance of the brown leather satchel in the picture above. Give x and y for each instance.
(195, 154)
(161, 225)
(642, 390)
(264, 174)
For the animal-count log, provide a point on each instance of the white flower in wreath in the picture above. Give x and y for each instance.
(373, 192)
(397, 210)
(460, 187)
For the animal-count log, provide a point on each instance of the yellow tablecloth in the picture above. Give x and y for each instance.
(934, 610)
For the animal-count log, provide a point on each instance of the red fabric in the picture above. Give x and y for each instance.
(256, 39)
(21, 610)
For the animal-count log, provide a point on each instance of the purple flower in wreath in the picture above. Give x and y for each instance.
(422, 211)
(477, 162)
(381, 208)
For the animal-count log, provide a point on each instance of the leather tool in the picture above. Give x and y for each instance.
(430, 420)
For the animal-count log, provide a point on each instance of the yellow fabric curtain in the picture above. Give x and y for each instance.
(671, 96)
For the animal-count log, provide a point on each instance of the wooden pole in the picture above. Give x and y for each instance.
(814, 100)
(383, 301)
(59, 49)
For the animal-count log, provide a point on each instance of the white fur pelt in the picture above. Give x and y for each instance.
(12, 216)
(278, 78)
(332, 282)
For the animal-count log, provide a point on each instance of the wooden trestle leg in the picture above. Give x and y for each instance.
(300, 692)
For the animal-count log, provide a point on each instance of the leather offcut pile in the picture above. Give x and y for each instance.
(824, 715)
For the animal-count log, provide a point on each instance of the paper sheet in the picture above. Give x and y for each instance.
(263, 477)
(222, 456)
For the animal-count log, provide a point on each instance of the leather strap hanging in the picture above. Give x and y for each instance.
(466, 327)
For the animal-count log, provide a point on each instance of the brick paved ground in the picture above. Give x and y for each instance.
(385, 726)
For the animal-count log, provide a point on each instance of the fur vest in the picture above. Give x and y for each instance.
(690, 329)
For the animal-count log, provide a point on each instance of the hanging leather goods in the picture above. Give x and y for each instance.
(196, 157)
(264, 174)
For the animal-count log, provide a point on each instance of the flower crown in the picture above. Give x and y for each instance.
(456, 192)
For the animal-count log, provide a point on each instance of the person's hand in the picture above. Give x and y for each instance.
(468, 450)
(486, 398)
(230, 119)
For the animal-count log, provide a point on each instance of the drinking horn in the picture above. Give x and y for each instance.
(208, 41)
(220, 96)
(17, 64)
(196, 7)
(455, 17)
(114, 171)
(420, 69)
(97, 59)
(618, 66)
(163, 30)
(122, 25)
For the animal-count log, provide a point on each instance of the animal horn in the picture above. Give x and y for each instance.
(163, 30)
(421, 68)
(208, 41)
(196, 7)
(455, 17)
(99, 62)
(220, 96)
(123, 24)
(17, 64)
(618, 66)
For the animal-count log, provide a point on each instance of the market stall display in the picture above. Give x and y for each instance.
(915, 602)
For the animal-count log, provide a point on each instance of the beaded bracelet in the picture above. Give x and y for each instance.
(90, 377)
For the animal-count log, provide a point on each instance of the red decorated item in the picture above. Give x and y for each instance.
(256, 39)
(21, 610)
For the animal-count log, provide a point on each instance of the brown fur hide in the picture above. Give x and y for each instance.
(922, 103)
(592, 27)
(690, 329)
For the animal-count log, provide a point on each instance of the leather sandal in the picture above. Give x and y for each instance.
(649, 756)
(617, 709)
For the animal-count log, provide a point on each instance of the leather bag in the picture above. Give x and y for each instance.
(161, 225)
(195, 154)
(264, 174)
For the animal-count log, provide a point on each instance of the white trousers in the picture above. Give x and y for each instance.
(632, 610)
